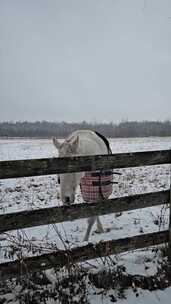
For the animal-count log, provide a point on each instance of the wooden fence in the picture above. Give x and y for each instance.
(31, 218)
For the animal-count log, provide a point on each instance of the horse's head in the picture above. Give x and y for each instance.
(68, 181)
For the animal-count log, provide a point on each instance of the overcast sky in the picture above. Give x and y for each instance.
(94, 60)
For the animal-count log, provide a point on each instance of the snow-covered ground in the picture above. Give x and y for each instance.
(38, 192)
(147, 297)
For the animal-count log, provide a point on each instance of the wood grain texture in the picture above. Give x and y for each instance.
(48, 166)
(51, 215)
(80, 254)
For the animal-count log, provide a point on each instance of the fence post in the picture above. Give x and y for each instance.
(169, 245)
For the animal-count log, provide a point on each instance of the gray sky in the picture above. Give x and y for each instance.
(94, 60)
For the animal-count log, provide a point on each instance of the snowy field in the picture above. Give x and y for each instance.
(39, 192)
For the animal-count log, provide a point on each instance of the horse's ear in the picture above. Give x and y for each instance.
(56, 143)
(74, 144)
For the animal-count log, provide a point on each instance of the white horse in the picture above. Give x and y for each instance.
(79, 143)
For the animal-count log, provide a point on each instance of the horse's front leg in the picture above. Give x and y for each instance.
(99, 226)
(90, 221)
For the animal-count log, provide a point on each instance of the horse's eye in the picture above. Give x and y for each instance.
(58, 180)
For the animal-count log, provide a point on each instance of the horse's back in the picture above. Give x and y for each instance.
(90, 142)
(82, 134)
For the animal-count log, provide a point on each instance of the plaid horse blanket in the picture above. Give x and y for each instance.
(96, 186)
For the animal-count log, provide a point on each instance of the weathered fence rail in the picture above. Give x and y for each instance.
(62, 258)
(45, 216)
(46, 166)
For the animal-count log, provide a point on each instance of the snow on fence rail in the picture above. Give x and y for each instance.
(46, 166)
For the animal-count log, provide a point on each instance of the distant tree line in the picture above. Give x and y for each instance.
(45, 129)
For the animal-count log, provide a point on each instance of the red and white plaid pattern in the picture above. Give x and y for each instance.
(95, 188)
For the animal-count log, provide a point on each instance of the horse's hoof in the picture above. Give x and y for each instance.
(99, 231)
(85, 240)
